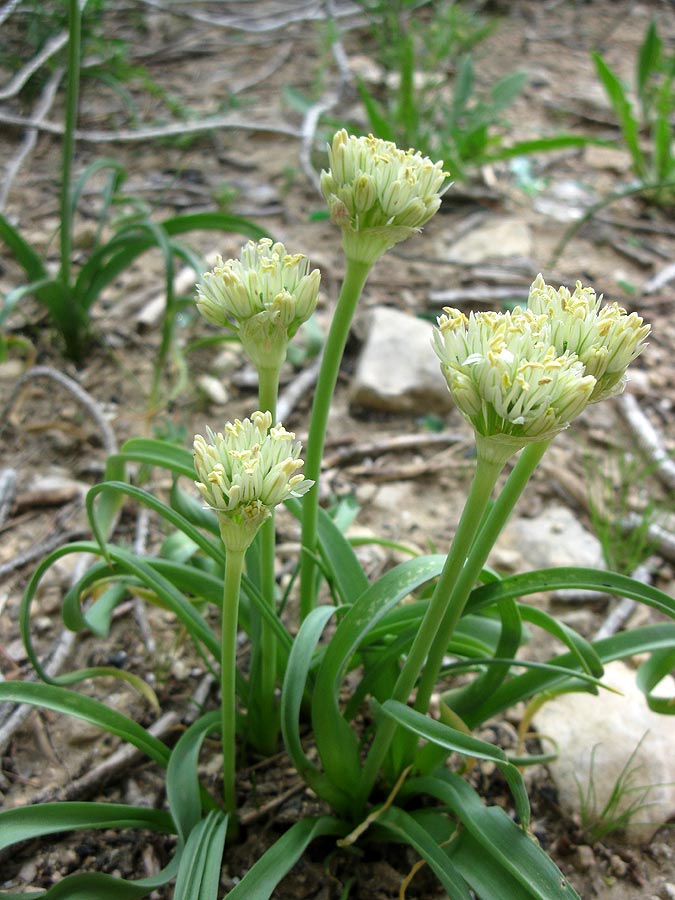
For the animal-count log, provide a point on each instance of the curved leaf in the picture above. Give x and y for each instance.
(336, 743)
(508, 846)
(199, 871)
(403, 826)
(27, 822)
(647, 639)
(182, 778)
(574, 578)
(456, 742)
(650, 673)
(104, 717)
(292, 693)
(265, 874)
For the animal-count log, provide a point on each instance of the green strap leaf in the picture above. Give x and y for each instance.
(262, 878)
(88, 886)
(647, 639)
(292, 694)
(28, 822)
(650, 673)
(336, 743)
(500, 838)
(338, 555)
(575, 578)
(199, 872)
(182, 778)
(63, 700)
(456, 742)
(405, 827)
(624, 112)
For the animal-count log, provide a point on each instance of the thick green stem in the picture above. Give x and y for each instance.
(263, 717)
(71, 323)
(355, 277)
(482, 546)
(484, 481)
(234, 565)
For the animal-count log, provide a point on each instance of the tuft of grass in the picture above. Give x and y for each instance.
(619, 810)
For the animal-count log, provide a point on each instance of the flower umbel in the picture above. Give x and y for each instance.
(508, 379)
(605, 338)
(377, 194)
(265, 295)
(245, 471)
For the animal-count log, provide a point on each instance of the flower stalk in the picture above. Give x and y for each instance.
(243, 473)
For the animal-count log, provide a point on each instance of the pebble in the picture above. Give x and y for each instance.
(667, 892)
(617, 865)
(214, 389)
(584, 857)
(27, 872)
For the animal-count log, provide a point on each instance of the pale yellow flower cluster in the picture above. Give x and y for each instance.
(245, 471)
(523, 376)
(265, 295)
(605, 338)
(377, 194)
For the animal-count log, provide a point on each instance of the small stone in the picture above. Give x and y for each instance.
(617, 865)
(43, 624)
(667, 892)
(397, 370)
(214, 390)
(503, 238)
(584, 858)
(180, 669)
(27, 872)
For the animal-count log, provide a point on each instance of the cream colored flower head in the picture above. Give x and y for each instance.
(605, 338)
(377, 194)
(245, 471)
(507, 378)
(265, 295)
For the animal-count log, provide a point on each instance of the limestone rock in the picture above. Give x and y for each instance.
(555, 538)
(503, 238)
(397, 370)
(611, 726)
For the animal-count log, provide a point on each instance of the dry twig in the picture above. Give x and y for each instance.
(83, 398)
(648, 440)
(30, 138)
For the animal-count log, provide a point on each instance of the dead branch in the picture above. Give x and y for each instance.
(8, 9)
(397, 443)
(326, 104)
(145, 134)
(7, 492)
(83, 398)
(30, 138)
(297, 389)
(648, 440)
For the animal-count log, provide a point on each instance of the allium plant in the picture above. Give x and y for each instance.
(367, 746)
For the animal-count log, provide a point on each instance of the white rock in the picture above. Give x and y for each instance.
(555, 538)
(214, 390)
(397, 370)
(611, 726)
(496, 239)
